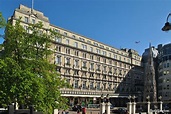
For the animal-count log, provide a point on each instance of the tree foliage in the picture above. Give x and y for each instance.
(2, 21)
(26, 75)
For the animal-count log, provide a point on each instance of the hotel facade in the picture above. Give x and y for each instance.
(89, 66)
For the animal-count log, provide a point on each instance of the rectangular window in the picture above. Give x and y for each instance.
(98, 67)
(76, 53)
(67, 61)
(98, 86)
(67, 41)
(84, 64)
(109, 54)
(73, 36)
(91, 57)
(84, 84)
(98, 51)
(33, 21)
(58, 39)
(58, 48)
(26, 19)
(92, 66)
(110, 70)
(76, 62)
(67, 51)
(98, 58)
(84, 46)
(84, 55)
(58, 59)
(76, 84)
(76, 44)
(65, 34)
(91, 49)
(91, 85)
(88, 41)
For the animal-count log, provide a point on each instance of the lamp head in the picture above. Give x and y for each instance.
(167, 27)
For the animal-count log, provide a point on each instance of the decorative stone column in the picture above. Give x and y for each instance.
(129, 105)
(161, 106)
(148, 104)
(102, 105)
(148, 107)
(133, 105)
(107, 104)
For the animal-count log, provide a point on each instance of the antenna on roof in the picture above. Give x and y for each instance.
(32, 4)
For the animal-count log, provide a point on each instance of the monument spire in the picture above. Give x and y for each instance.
(149, 80)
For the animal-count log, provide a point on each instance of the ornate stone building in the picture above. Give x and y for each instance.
(91, 67)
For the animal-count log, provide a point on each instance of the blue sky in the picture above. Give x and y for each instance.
(118, 23)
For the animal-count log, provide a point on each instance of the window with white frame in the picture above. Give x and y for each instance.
(67, 61)
(76, 84)
(33, 21)
(98, 51)
(84, 64)
(84, 55)
(76, 53)
(26, 19)
(67, 51)
(67, 41)
(58, 39)
(98, 86)
(76, 62)
(73, 36)
(58, 59)
(58, 48)
(91, 49)
(91, 85)
(65, 34)
(91, 66)
(76, 44)
(84, 84)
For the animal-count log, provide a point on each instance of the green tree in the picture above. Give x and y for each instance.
(26, 74)
(2, 21)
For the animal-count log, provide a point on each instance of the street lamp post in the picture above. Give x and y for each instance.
(167, 25)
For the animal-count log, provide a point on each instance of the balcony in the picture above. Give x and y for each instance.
(110, 72)
(67, 65)
(98, 71)
(84, 68)
(76, 67)
(104, 72)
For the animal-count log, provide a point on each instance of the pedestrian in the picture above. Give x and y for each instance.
(78, 111)
(63, 112)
